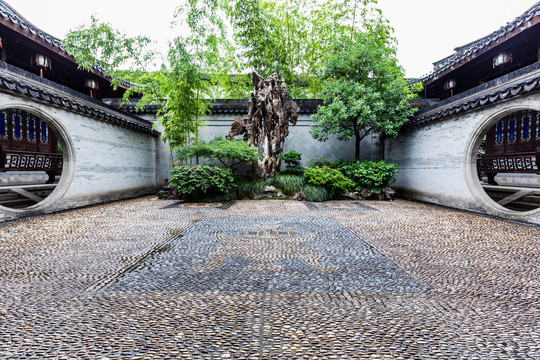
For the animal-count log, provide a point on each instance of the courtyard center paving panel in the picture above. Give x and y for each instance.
(151, 279)
(268, 254)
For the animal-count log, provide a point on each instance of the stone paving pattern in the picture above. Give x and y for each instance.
(287, 253)
(109, 282)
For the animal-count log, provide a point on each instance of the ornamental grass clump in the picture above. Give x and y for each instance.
(249, 189)
(289, 184)
(316, 193)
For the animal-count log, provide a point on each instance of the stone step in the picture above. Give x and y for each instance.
(517, 198)
(525, 199)
(517, 206)
(502, 195)
(21, 196)
(19, 203)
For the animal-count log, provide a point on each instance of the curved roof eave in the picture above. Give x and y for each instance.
(26, 28)
(41, 90)
(466, 52)
(521, 83)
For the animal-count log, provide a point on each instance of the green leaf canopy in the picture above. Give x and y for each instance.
(364, 89)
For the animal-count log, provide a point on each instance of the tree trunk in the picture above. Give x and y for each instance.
(357, 146)
(171, 153)
(357, 140)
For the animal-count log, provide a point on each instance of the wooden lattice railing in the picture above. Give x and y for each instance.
(14, 160)
(525, 162)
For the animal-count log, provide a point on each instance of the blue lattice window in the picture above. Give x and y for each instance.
(31, 128)
(44, 132)
(538, 124)
(526, 126)
(17, 133)
(512, 129)
(499, 132)
(3, 125)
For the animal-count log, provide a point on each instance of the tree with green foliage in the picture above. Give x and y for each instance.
(292, 37)
(185, 100)
(197, 56)
(250, 24)
(268, 36)
(230, 153)
(181, 87)
(364, 88)
(100, 47)
(363, 85)
(292, 161)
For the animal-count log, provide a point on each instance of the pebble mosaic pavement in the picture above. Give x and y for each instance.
(151, 279)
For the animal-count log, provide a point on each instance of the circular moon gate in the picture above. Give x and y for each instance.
(36, 159)
(504, 154)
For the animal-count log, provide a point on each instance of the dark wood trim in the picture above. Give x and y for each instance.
(13, 160)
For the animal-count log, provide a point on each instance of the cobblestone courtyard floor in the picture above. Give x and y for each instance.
(153, 279)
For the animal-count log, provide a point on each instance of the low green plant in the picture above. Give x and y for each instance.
(375, 176)
(249, 189)
(292, 161)
(217, 197)
(289, 184)
(333, 180)
(315, 193)
(229, 153)
(318, 162)
(203, 182)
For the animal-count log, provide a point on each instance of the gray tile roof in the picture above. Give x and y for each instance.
(8, 12)
(467, 50)
(518, 83)
(225, 106)
(20, 82)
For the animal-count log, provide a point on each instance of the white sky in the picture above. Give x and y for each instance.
(427, 30)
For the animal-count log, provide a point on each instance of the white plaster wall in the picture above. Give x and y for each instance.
(110, 159)
(430, 161)
(437, 162)
(163, 154)
(299, 140)
(102, 161)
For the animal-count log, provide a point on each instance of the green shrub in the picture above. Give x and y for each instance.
(333, 180)
(229, 153)
(375, 176)
(203, 182)
(289, 184)
(248, 189)
(292, 160)
(217, 197)
(315, 193)
(318, 162)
